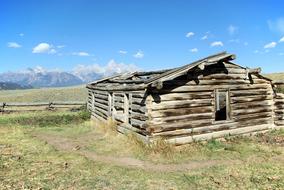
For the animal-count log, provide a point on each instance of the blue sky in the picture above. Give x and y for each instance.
(62, 34)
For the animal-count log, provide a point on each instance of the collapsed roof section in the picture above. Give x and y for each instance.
(143, 80)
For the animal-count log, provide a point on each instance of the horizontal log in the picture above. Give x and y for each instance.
(256, 104)
(104, 97)
(202, 82)
(97, 109)
(253, 115)
(139, 123)
(218, 134)
(100, 92)
(252, 110)
(181, 104)
(105, 102)
(138, 100)
(124, 130)
(212, 87)
(181, 118)
(184, 111)
(203, 129)
(237, 93)
(181, 96)
(98, 113)
(279, 122)
(235, 100)
(118, 87)
(138, 116)
(134, 129)
(180, 125)
(97, 104)
(141, 109)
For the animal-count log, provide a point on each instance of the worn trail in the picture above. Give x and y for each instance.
(69, 145)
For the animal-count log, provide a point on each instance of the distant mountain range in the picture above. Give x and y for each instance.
(12, 86)
(39, 77)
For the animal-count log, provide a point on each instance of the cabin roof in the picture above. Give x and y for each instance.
(145, 79)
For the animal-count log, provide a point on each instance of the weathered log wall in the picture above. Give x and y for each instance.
(279, 110)
(183, 111)
(128, 109)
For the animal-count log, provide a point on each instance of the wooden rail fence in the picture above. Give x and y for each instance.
(37, 106)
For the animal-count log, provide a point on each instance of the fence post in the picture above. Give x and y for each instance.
(3, 107)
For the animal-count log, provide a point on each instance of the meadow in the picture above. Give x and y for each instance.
(65, 150)
(73, 93)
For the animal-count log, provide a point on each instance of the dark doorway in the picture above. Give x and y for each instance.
(222, 105)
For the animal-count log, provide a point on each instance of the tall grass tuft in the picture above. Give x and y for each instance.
(158, 146)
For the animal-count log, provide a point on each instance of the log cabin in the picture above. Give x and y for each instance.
(209, 98)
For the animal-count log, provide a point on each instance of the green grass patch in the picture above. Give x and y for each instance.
(44, 119)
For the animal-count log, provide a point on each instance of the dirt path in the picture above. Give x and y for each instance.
(69, 145)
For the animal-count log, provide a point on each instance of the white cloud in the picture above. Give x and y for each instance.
(281, 40)
(81, 53)
(13, 45)
(276, 25)
(122, 52)
(194, 50)
(139, 54)
(217, 43)
(256, 51)
(44, 48)
(232, 29)
(87, 72)
(270, 45)
(281, 53)
(204, 37)
(189, 34)
(21, 34)
(246, 43)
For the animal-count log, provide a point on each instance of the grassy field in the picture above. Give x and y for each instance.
(69, 158)
(275, 76)
(74, 93)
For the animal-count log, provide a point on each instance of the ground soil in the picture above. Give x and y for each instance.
(77, 146)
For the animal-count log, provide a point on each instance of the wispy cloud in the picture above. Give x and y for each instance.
(139, 54)
(276, 25)
(21, 34)
(232, 29)
(189, 34)
(44, 48)
(13, 45)
(281, 40)
(255, 51)
(270, 45)
(81, 54)
(194, 50)
(217, 43)
(122, 52)
(204, 37)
